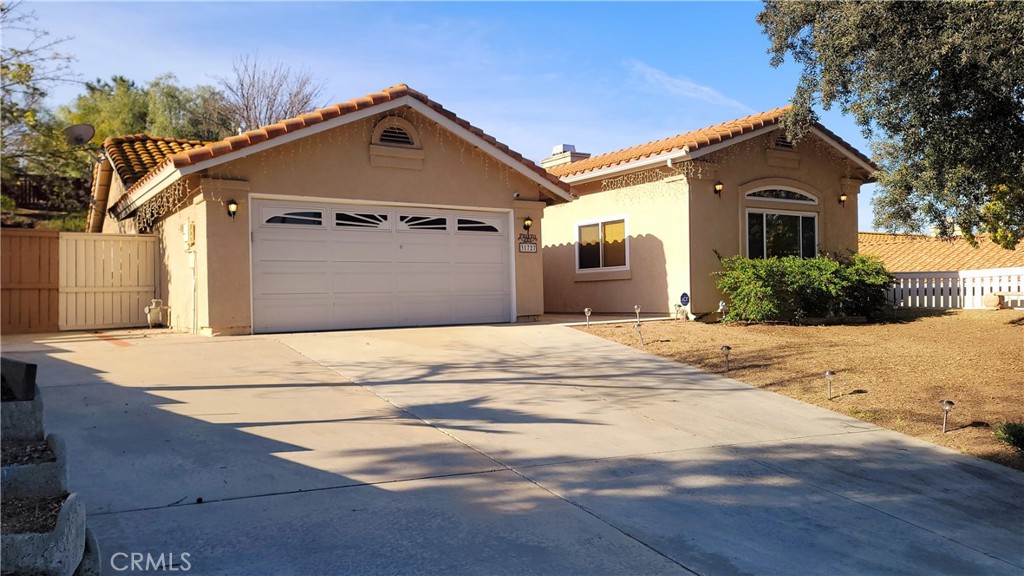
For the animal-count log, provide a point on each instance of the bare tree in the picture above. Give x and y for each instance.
(259, 94)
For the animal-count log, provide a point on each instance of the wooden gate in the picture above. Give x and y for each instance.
(28, 280)
(105, 280)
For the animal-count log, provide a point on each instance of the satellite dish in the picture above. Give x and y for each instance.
(79, 134)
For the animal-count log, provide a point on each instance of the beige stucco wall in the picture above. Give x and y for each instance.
(655, 214)
(111, 225)
(334, 164)
(692, 226)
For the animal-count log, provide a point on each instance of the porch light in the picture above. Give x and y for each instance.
(947, 405)
(829, 375)
(527, 224)
(719, 187)
(842, 199)
(232, 208)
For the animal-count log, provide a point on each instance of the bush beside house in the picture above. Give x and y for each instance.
(793, 288)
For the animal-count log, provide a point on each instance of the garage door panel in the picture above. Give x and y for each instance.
(361, 250)
(391, 274)
(366, 279)
(483, 309)
(424, 309)
(361, 311)
(435, 251)
(293, 314)
(293, 283)
(291, 249)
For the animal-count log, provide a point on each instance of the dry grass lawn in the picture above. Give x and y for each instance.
(892, 374)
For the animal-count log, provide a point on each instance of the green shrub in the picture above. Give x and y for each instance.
(74, 222)
(1011, 433)
(7, 203)
(792, 288)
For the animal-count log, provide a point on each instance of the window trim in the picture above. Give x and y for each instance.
(602, 220)
(764, 236)
(814, 197)
(267, 212)
(404, 228)
(355, 210)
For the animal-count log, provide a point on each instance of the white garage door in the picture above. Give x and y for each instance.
(335, 266)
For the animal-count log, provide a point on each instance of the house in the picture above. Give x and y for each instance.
(386, 210)
(931, 272)
(652, 221)
(920, 253)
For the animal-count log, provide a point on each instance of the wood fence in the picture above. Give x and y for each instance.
(105, 280)
(963, 289)
(73, 281)
(29, 280)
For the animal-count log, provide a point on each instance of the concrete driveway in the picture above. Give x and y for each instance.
(529, 449)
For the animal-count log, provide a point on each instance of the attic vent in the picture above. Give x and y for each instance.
(395, 136)
(782, 141)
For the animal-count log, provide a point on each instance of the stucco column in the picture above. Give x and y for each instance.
(845, 229)
(227, 277)
(529, 265)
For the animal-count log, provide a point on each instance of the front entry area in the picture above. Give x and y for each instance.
(331, 266)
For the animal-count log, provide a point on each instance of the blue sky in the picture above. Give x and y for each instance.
(601, 76)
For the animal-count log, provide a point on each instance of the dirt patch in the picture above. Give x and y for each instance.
(17, 453)
(892, 374)
(31, 515)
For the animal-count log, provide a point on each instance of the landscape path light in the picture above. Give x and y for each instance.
(829, 375)
(639, 333)
(947, 405)
(636, 309)
(679, 311)
(587, 312)
(725, 354)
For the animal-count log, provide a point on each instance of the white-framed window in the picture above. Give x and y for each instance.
(781, 233)
(479, 225)
(417, 222)
(602, 244)
(346, 220)
(780, 194)
(280, 216)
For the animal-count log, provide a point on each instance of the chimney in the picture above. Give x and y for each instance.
(562, 154)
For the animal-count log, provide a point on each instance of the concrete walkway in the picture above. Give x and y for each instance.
(531, 449)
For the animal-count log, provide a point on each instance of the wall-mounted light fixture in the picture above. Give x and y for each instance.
(232, 208)
(842, 199)
(527, 223)
(719, 187)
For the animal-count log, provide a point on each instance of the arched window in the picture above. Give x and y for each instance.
(783, 232)
(782, 194)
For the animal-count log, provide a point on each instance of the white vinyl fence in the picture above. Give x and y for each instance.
(963, 289)
(105, 280)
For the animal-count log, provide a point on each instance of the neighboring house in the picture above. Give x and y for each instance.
(920, 253)
(652, 221)
(935, 273)
(386, 210)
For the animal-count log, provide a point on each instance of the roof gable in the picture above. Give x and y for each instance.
(193, 159)
(134, 156)
(688, 143)
(919, 253)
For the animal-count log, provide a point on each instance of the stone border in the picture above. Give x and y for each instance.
(22, 419)
(41, 479)
(56, 553)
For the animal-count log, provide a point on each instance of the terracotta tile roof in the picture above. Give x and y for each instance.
(195, 155)
(692, 141)
(919, 253)
(134, 156)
